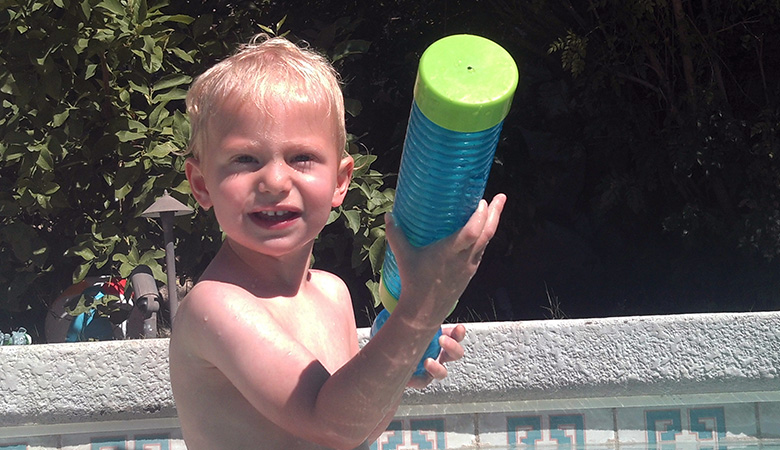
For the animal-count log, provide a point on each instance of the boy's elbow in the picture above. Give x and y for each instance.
(347, 436)
(342, 442)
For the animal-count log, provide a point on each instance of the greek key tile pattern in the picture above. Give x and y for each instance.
(707, 427)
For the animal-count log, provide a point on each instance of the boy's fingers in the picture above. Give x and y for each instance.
(451, 349)
(494, 213)
(435, 369)
(471, 232)
(457, 332)
(488, 229)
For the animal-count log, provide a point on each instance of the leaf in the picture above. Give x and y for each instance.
(45, 160)
(48, 187)
(158, 114)
(173, 94)
(353, 106)
(84, 253)
(376, 254)
(81, 271)
(86, 9)
(114, 6)
(140, 11)
(178, 18)
(184, 187)
(333, 216)
(122, 191)
(350, 47)
(8, 84)
(127, 136)
(90, 72)
(59, 118)
(150, 256)
(161, 150)
(353, 219)
(373, 287)
(181, 126)
(182, 55)
(280, 23)
(171, 81)
(142, 88)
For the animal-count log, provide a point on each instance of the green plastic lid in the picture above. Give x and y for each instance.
(465, 83)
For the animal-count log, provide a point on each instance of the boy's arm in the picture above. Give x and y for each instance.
(287, 384)
(451, 351)
(433, 277)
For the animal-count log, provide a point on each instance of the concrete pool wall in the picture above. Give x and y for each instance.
(709, 379)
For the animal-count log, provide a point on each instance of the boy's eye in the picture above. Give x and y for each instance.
(302, 158)
(245, 159)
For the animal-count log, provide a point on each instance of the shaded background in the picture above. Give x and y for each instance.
(640, 156)
(632, 188)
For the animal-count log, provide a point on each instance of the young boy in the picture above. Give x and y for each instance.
(264, 353)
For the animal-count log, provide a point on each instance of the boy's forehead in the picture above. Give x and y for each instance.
(271, 110)
(234, 111)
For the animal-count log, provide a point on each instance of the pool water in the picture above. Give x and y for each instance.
(771, 445)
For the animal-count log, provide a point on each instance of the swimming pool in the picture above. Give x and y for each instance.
(706, 381)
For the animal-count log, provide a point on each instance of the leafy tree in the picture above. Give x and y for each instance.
(93, 130)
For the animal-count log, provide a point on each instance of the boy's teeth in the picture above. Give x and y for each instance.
(273, 213)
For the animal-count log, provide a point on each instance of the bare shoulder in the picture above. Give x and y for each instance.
(331, 285)
(210, 298)
(210, 310)
(321, 277)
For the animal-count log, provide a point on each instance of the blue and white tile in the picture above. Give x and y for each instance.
(741, 421)
(769, 418)
(415, 432)
(492, 429)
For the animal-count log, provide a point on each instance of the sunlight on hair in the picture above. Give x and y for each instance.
(266, 71)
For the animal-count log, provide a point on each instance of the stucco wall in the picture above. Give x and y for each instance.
(615, 358)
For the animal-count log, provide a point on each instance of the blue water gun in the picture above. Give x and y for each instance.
(462, 94)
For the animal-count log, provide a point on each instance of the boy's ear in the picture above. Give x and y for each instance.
(197, 183)
(343, 178)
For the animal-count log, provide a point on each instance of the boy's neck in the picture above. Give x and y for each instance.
(262, 275)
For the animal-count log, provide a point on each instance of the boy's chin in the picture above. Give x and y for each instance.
(274, 248)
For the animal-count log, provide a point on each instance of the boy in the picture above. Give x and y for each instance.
(264, 353)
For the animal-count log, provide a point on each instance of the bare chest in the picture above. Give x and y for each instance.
(321, 330)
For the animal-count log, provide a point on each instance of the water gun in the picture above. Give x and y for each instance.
(462, 94)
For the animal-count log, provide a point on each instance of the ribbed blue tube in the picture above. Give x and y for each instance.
(442, 178)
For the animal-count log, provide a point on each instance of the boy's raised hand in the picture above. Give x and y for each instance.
(434, 276)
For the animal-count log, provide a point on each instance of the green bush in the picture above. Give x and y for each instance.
(92, 130)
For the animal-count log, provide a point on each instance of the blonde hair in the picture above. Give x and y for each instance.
(264, 71)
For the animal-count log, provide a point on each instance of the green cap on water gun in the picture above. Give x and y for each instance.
(465, 83)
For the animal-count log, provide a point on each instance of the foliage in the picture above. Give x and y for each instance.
(93, 130)
(646, 131)
(664, 115)
(90, 133)
(692, 128)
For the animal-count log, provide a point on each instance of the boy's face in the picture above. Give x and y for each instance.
(271, 179)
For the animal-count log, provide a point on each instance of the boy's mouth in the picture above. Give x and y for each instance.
(274, 216)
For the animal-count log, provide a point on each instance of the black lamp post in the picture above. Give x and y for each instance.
(166, 207)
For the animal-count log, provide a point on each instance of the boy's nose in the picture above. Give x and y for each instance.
(275, 179)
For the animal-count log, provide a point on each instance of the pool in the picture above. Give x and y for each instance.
(704, 381)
